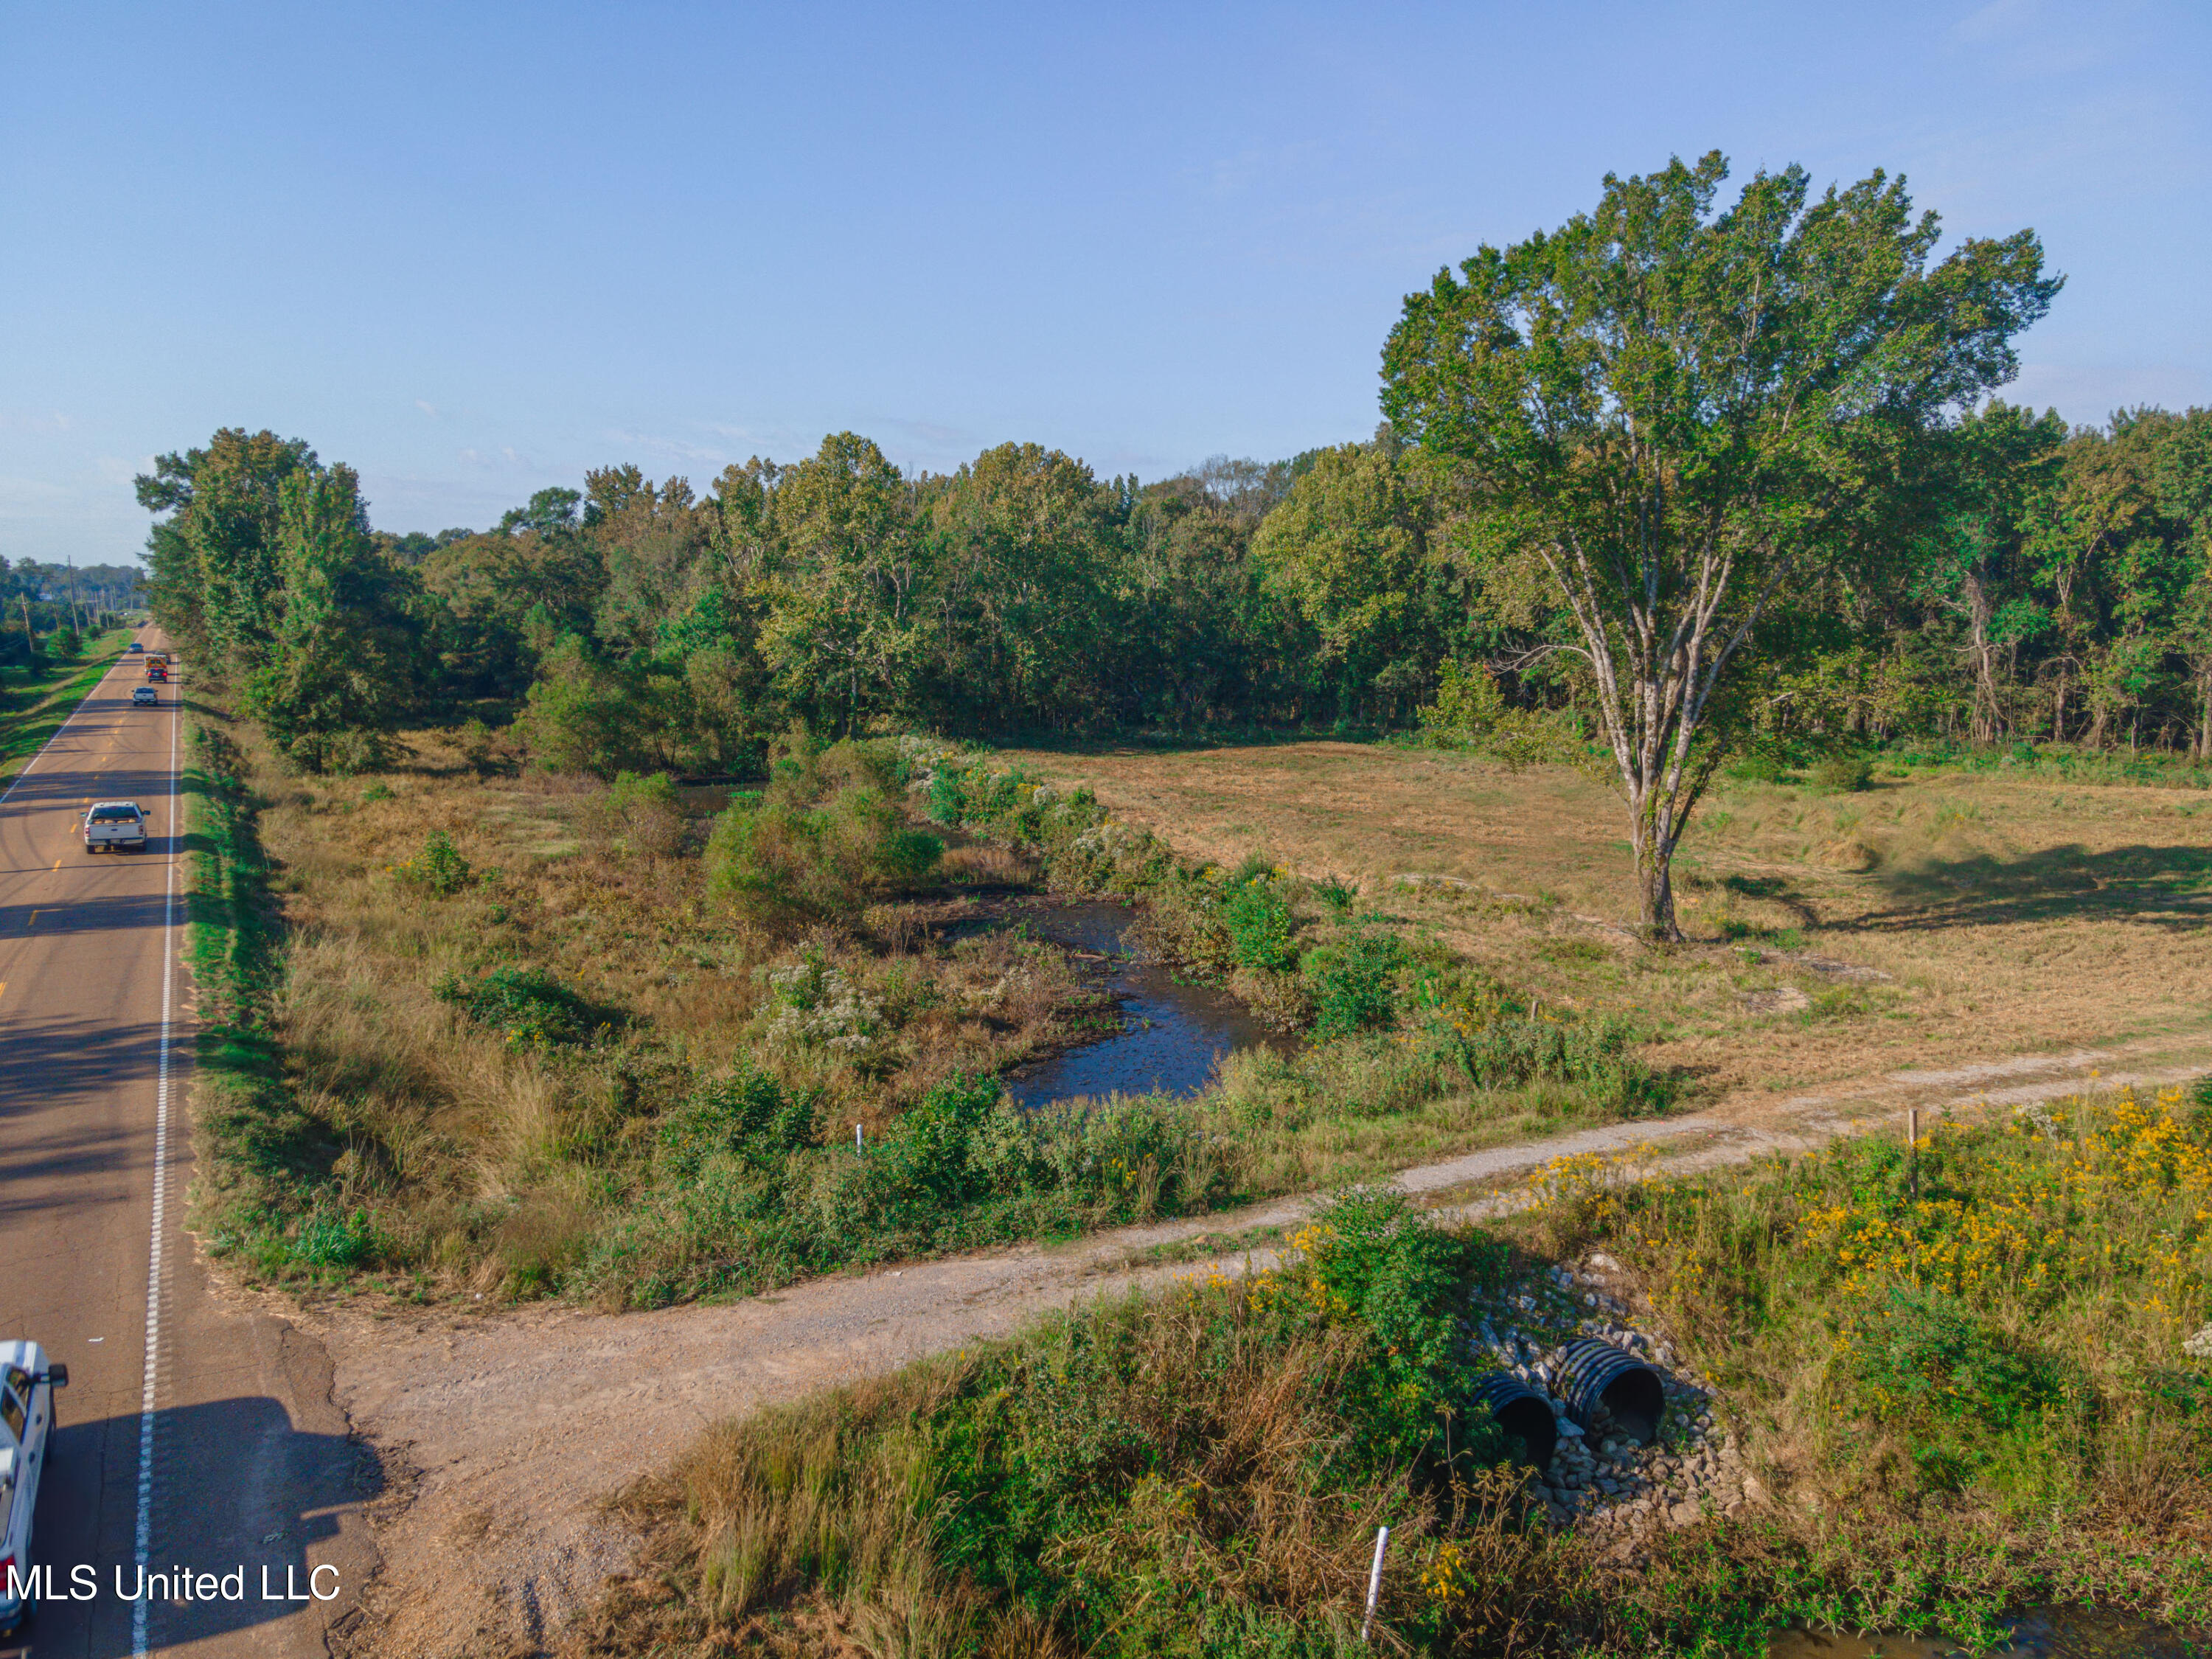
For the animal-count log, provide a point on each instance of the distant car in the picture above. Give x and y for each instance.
(145, 696)
(133, 649)
(28, 1382)
(113, 823)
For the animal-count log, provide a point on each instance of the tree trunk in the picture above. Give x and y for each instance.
(1988, 722)
(1654, 889)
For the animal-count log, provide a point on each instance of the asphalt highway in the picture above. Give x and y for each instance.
(196, 1432)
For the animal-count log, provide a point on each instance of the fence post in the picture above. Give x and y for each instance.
(1375, 1580)
(860, 1138)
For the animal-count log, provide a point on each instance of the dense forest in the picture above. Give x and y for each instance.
(2058, 587)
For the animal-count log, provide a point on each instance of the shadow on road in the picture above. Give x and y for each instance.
(238, 1493)
(113, 913)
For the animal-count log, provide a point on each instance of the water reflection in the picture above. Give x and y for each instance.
(1172, 1036)
(2041, 1633)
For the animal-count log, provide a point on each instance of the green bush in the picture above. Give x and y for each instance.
(779, 862)
(1760, 766)
(1845, 773)
(748, 1115)
(1375, 1266)
(438, 868)
(534, 1010)
(1354, 981)
(1256, 912)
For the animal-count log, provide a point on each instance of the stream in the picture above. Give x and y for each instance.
(2038, 1634)
(1173, 1033)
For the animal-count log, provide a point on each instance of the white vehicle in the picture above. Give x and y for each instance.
(113, 823)
(145, 696)
(27, 1382)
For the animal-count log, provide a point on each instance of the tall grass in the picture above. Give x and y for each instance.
(1958, 1405)
(628, 1060)
(1994, 1318)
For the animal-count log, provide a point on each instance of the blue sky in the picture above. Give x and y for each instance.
(474, 249)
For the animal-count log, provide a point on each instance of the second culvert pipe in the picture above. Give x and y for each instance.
(1594, 1373)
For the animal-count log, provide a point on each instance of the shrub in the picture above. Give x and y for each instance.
(641, 813)
(778, 861)
(1468, 703)
(1760, 766)
(1256, 912)
(1845, 773)
(748, 1115)
(929, 1158)
(1354, 979)
(534, 1010)
(438, 868)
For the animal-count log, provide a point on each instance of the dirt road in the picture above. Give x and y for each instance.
(194, 1434)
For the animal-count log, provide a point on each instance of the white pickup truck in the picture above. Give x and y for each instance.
(28, 1382)
(113, 823)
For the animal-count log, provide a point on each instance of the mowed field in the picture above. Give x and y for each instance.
(1932, 920)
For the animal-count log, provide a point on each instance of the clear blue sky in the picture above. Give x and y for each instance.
(473, 249)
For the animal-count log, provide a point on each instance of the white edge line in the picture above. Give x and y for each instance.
(144, 1536)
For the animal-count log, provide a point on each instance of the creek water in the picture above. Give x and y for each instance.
(2040, 1633)
(1173, 1034)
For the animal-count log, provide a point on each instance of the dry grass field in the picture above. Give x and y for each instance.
(1931, 920)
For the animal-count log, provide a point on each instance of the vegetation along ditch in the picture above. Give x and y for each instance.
(636, 1042)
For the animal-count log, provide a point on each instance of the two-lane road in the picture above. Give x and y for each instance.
(196, 1433)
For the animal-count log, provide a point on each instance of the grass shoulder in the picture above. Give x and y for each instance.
(35, 700)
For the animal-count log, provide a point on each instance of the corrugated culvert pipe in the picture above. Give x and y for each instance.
(1521, 1413)
(1595, 1373)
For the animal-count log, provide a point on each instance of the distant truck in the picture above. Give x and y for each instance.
(114, 824)
(157, 664)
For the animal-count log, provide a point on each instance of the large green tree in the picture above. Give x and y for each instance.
(335, 675)
(1350, 549)
(1671, 412)
(842, 633)
(213, 557)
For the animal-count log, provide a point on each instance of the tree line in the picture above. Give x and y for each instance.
(1702, 477)
(639, 623)
(2060, 588)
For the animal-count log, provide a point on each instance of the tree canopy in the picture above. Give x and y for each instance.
(1680, 412)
